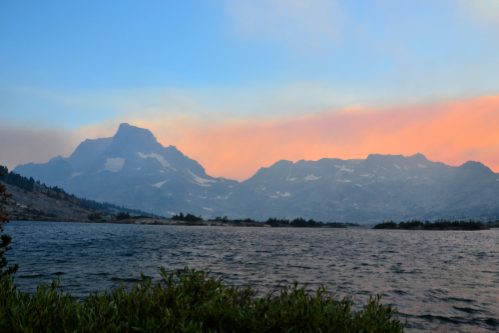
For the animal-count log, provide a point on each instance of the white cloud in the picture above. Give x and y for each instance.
(484, 12)
(304, 24)
(211, 102)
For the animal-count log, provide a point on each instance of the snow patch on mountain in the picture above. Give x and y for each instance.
(422, 166)
(343, 168)
(76, 174)
(311, 177)
(201, 181)
(396, 166)
(280, 195)
(225, 198)
(114, 164)
(210, 209)
(344, 180)
(158, 185)
(160, 159)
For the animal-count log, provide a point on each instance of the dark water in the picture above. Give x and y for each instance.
(440, 281)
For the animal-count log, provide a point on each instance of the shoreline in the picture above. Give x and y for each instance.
(434, 229)
(150, 221)
(153, 221)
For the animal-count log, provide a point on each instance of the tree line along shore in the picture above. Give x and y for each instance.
(438, 225)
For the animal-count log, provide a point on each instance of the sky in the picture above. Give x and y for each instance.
(241, 84)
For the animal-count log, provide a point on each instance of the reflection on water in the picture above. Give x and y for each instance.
(442, 281)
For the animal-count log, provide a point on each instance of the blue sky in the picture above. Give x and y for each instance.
(66, 66)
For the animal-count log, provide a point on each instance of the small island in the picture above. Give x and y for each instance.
(437, 225)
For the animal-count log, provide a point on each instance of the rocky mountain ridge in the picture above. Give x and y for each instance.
(42, 204)
(134, 170)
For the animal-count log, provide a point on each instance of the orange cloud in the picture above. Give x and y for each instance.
(451, 132)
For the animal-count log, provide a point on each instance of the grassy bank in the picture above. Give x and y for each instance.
(189, 301)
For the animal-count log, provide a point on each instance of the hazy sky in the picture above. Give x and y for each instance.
(242, 84)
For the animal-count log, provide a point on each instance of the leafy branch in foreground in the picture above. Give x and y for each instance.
(189, 301)
(4, 217)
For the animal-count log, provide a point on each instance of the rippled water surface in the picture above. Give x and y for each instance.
(441, 281)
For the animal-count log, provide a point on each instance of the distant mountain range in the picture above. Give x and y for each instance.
(134, 170)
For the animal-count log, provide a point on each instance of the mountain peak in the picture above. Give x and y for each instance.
(418, 157)
(129, 130)
(371, 156)
(124, 125)
(477, 167)
(379, 158)
(57, 158)
(132, 139)
(281, 163)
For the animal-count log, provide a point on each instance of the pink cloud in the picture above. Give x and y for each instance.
(452, 133)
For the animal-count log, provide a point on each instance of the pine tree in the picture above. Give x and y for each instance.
(5, 239)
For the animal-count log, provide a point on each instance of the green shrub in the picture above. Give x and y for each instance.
(189, 301)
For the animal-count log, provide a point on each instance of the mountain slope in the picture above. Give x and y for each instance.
(34, 201)
(40, 205)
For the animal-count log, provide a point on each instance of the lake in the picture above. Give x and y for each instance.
(439, 280)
